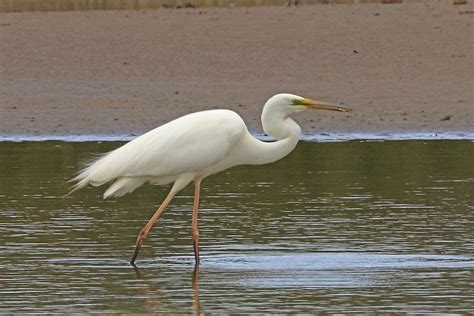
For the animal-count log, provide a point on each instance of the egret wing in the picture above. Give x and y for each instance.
(188, 144)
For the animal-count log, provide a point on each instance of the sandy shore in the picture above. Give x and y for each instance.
(401, 67)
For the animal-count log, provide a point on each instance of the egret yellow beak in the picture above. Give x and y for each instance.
(319, 105)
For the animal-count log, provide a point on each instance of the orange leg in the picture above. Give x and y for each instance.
(194, 228)
(144, 232)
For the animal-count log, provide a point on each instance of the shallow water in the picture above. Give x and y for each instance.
(323, 137)
(337, 227)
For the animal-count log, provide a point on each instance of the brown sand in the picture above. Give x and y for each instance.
(401, 67)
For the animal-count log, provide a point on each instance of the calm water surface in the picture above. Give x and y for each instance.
(338, 227)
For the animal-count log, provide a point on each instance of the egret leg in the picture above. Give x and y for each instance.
(194, 228)
(144, 232)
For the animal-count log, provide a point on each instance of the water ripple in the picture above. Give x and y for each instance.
(352, 227)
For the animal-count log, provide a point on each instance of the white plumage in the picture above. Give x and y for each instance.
(165, 154)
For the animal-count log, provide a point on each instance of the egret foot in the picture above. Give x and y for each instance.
(140, 239)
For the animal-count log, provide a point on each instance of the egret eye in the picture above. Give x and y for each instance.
(297, 102)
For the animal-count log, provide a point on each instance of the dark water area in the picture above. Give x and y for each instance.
(337, 227)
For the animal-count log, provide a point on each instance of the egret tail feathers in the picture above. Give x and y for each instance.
(94, 173)
(82, 180)
(123, 186)
(79, 185)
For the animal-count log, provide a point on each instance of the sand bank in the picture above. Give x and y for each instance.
(403, 68)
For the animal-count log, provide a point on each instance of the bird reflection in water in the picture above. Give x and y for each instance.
(154, 300)
(196, 304)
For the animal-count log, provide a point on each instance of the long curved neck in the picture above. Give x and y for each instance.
(278, 124)
(273, 151)
(284, 129)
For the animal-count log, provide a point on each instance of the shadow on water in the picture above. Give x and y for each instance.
(340, 227)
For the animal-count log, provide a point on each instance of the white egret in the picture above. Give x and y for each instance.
(193, 147)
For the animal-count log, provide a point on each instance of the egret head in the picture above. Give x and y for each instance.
(290, 103)
(278, 108)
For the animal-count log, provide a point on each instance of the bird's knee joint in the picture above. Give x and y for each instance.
(142, 234)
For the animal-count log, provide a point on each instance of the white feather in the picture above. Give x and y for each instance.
(187, 145)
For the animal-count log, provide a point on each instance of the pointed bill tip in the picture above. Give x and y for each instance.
(319, 105)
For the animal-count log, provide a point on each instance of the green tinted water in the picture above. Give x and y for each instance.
(338, 227)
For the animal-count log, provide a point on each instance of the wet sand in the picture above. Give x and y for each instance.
(403, 68)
